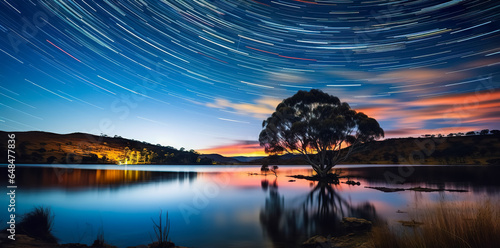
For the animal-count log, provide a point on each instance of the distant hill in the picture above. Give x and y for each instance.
(466, 150)
(81, 148)
(221, 159)
(246, 159)
(230, 160)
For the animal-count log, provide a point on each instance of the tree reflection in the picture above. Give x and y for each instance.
(317, 213)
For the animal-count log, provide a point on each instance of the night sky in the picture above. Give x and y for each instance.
(203, 74)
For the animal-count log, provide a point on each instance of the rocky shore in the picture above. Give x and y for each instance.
(357, 234)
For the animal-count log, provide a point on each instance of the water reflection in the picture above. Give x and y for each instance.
(247, 210)
(319, 212)
(47, 177)
(475, 179)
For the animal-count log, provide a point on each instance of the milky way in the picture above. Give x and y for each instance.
(205, 73)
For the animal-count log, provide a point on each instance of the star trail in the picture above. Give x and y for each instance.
(201, 74)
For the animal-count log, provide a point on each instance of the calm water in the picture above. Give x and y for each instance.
(224, 206)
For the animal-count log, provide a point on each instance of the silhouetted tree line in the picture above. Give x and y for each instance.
(470, 133)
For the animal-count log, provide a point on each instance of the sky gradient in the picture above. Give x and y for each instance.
(204, 74)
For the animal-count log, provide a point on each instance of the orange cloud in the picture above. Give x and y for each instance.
(459, 99)
(404, 76)
(459, 111)
(422, 75)
(250, 149)
(480, 63)
(380, 112)
(413, 117)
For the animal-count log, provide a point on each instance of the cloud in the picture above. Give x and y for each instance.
(260, 109)
(404, 116)
(422, 76)
(403, 76)
(458, 112)
(419, 77)
(288, 77)
(480, 63)
(462, 99)
(239, 148)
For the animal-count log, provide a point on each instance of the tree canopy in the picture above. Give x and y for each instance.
(318, 126)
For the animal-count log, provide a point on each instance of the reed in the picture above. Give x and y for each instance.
(445, 224)
(38, 224)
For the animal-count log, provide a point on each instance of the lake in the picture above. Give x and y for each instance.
(230, 206)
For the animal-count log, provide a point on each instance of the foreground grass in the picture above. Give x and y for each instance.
(38, 224)
(35, 231)
(445, 225)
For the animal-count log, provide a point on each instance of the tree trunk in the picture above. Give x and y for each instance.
(321, 172)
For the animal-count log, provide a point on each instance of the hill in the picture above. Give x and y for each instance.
(466, 150)
(246, 159)
(221, 159)
(469, 150)
(81, 148)
(230, 160)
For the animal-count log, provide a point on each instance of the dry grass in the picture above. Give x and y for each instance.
(161, 233)
(38, 224)
(446, 225)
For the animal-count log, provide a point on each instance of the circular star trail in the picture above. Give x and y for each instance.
(205, 73)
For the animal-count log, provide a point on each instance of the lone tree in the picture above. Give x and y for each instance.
(318, 126)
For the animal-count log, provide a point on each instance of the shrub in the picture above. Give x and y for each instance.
(161, 233)
(38, 224)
